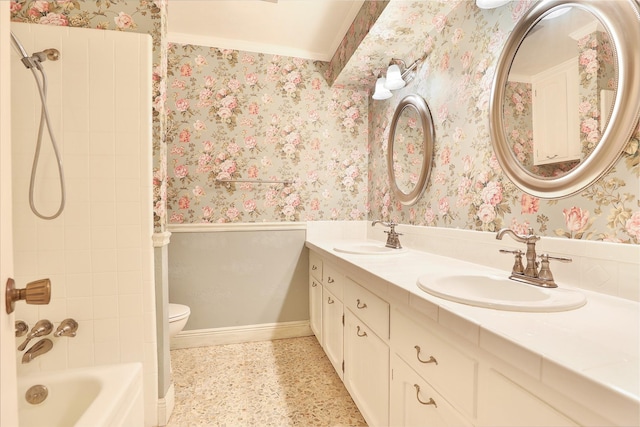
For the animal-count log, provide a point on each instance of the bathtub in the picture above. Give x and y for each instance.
(109, 395)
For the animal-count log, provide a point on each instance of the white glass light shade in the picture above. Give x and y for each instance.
(491, 4)
(394, 78)
(381, 92)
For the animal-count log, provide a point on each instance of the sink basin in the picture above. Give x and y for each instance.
(366, 248)
(492, 291)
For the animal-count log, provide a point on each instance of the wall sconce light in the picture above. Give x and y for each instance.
(491, 4)
(395, 78)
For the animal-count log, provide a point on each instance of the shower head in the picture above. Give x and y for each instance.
(18, 46)
(35, 59)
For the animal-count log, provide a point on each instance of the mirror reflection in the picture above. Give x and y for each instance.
(560, 91)
(410, 149)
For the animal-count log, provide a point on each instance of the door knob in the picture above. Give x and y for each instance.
(37, 292)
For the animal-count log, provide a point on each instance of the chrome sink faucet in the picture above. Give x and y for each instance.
(530, 273)
(393, 238)
(530, 239)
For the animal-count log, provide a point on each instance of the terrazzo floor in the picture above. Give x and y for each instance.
(287, 382)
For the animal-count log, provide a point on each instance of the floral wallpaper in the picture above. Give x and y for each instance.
(238, 116)
(267, 127)
(467, 188)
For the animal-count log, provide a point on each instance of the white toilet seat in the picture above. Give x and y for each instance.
(178, 312)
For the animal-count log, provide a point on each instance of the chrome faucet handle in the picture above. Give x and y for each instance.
(40, 329)
(21, 328)
(531, 237)
(518, 268)
(545, 270)
(67, 328)
(389, 224)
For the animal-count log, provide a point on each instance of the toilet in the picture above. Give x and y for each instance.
(178, 317)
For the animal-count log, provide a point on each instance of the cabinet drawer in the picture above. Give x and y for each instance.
(370, 308)
(451, 372)
(415, 403)
(334, 281)
(315, 266)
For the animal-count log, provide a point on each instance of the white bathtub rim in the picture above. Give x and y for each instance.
(120, 384)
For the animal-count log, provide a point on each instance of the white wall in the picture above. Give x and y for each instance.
(234, 275)
(99, 252)
(9, 412)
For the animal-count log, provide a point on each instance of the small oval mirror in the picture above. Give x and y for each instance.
(563, 104)
(410, 149)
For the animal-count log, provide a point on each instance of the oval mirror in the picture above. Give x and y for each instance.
(564, 99)
(410, 149)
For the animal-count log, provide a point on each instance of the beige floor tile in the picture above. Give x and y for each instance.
(287, 382)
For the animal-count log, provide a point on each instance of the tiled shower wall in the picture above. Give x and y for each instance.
(98, 253)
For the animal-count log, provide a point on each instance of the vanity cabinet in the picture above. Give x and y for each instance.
(315, 295)
(403, 368)
(315, 307)
(505, 403)
(450, 370)
(415, 403)
(366, 353)
(333, 317)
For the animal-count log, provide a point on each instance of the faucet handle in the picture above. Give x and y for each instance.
(546, 257)
(67, 328)
(21, 328)
(518, 268)
(545, 270)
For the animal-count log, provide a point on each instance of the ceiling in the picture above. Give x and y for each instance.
(310, 29)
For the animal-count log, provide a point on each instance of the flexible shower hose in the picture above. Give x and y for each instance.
(44, 118)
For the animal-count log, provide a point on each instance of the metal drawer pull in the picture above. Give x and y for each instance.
(431, 358)
(330, 280)
(329, 300)
(314, 284)
(314, 267)
(360, 306)
(429, 402)
(364, 334)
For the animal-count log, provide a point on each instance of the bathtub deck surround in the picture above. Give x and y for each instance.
(98, 396)
(569, 361)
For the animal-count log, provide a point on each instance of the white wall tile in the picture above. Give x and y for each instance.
(108, 198)
(105, 330)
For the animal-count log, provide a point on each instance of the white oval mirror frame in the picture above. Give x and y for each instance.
(428, 132)
(621, 19)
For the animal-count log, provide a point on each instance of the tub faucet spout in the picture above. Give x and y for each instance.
(39, 348)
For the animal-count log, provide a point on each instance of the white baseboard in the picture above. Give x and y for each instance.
(239, 334)
(165, 406)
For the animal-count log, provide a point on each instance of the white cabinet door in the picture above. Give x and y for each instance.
(332, 329)
(556, 126)
(315, 308)
(366, 370)
(502, 402)
(415, 403)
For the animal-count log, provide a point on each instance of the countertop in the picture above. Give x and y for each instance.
(582, 353)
